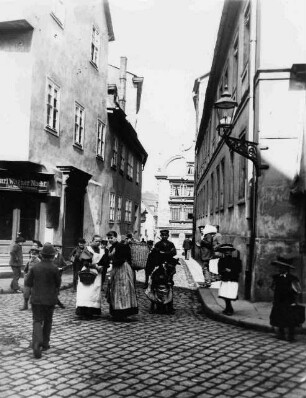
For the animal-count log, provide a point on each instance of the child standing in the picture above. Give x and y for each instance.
(34, 258)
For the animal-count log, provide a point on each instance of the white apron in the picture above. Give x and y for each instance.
(90, 295)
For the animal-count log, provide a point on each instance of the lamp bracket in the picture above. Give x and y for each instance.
(247, 149)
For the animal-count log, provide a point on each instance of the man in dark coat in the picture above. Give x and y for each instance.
(16, 262)
(44, 280)
(286, 289)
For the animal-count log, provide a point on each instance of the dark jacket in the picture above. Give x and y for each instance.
(16, 258)
(283, 291)
(122, 253)
(206, 247)
(187, 244)
(229, 269)
(165, 250)
(44, 279)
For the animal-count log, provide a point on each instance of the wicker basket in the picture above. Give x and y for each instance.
(140, 252)
(87, 277)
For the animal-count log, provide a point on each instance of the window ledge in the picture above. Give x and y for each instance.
(78, 146)
(95, 66)
(241, 202)
(231, 205)
(121, 172)
(114, 167)
(99, 157)
(129, 178)
(52, 131)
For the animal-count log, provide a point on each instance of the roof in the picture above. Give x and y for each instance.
(111, 36)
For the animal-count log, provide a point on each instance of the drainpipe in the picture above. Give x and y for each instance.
(122, 83)
(251, 170)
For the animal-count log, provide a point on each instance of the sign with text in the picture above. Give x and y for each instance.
(24, 184)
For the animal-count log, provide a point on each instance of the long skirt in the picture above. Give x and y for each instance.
(88, 298)
(121, 292)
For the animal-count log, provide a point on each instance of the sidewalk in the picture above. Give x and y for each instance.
(247, 314)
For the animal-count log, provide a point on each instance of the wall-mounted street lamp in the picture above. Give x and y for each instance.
(226, 108)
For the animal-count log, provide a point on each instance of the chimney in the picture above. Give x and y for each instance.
(122, 83)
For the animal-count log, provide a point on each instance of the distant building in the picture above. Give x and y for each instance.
(125, 154)
(149, 205)
(176, 196)
(261, 214)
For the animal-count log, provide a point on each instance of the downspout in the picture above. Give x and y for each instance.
(252, 176)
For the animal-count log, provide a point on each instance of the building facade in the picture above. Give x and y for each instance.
(176, 197)
(56, 135)
(149, 206)
(261, 212)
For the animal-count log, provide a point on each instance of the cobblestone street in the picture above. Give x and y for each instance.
(182, 355)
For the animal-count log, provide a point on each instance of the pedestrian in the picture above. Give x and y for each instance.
(284, 315)
(121, 291)
(16, 263)
(44, 280)
(150, 263)
(217, 240)
(187, 248)
(104, 261)
(61, 264)
(34, 259)
(76, 262)
(229, 268)
(88, 297)
(206, 251)
(165, 252)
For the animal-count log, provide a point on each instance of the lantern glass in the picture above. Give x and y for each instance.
(226, 107)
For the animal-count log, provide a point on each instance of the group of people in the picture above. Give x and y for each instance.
(91, 263)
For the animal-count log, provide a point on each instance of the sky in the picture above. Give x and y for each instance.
(169, 43)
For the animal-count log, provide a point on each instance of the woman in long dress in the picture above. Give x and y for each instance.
(121, 293)
(88, 297)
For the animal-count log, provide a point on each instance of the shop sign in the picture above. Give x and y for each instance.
(23, 184)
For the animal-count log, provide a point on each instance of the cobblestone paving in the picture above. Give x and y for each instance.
(182, 355)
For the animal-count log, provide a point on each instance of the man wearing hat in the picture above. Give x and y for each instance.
(16, 262)
(44, 280)
(34, 258)
(286, 289)
(229, 268)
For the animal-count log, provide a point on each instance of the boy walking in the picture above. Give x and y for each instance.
(44, 280)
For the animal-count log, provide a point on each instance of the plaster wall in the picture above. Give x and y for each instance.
(163, 210)
(15, 101)
(282, 26)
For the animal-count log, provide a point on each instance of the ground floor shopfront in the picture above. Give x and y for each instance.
(42, 205)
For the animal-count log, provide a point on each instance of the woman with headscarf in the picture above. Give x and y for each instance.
(121, 292)
(88, 297)
(207, 251)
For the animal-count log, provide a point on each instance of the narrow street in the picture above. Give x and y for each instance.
(182, 355)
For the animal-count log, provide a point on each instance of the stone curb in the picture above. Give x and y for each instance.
(231, 321)
(64, 287)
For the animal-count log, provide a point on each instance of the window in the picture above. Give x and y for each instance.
(79, 125)
(188, 213)
(231, 180)
(242, 174)
(101, 139)
(212, 191)
(130, 168)
(217, 194)
(190, 169)
(119, 208)
(53, 98)
(221, 185)
(137, 172)
(175, 190)
(128, 211)
(246, 37)
(235, 69)
(95, 45)
(58, 12)
(189, 190)
(112, 207)
(114, 159)
(175, 213)
(122, 159)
